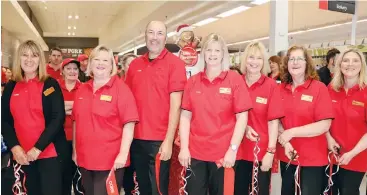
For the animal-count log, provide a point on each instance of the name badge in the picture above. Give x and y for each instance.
(225, 90)
(106, 98)
(306, 98)
(49, 91)
(357, 103)
(261, 100)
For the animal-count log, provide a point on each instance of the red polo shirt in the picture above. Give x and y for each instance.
(100, 118)
(56, 74)
(68, 96)
(308, 104)
(267, 106)
(350, 123)
(27, 111)
(152, 83)
(214, 106)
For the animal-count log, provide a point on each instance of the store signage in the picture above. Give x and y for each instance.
(338, 6)
(68, 52)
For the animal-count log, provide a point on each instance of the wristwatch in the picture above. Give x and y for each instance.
(234, 147)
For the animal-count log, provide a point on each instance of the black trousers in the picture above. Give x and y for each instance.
(243, 181)
(94, 182)
(346, 182)
(44, 177)
(128, 182)
(143, 155)
(70, 170)
(205, 178)
(312, 179)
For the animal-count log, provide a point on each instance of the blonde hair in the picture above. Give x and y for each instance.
(215, 37)
(338, 81)
(94, 54)
(250, 50)
(30, 45)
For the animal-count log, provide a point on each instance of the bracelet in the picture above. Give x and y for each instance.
(271, 150)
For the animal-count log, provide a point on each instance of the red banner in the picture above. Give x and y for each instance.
(111, 185)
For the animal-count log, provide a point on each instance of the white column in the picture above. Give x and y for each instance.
(354, 25)
(278, 39)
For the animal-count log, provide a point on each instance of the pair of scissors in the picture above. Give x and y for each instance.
(294, 156)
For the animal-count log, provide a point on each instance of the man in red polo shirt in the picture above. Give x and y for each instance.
(54, 67)
(83, 60)
(157, 80)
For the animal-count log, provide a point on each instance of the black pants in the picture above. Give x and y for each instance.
(143, 154)
(205, 178)
(94, 182)
(70, 170)
(44, 177)
(346, 182)
(312, 179)
(128, 183)
(243, 181)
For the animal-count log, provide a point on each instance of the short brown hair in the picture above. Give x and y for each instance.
(55, 49)
(18, 73)
(310, 72)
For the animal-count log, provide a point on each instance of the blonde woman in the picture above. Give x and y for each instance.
(32, 118)
(263, 121)
(213, 119)
(105, 115)
(348, 132)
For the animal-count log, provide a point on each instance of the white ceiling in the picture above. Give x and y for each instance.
(120, 24)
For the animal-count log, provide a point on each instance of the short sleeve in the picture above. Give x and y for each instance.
(127, 109)
(186, 100)
(241, 97)
(275, 108)
(177, 76)
(323, 107)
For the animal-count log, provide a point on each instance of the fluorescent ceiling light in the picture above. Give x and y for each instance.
(69, 34)
(70, 16)
(206, 21)
(74, 27)
(132, 49)
(233, 11)
(170, 34)
(73, 33)
(259, 2)
(76, 17)
(298, 32)
(69, 27)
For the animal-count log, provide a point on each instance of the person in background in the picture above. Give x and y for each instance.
(83, 60)
(32, 118)
(3, 79)
(157, 80)
(275, 63)
(8, 74)
(125, 63)
(263, 121)
(105, 114)
(348, 132)
(235, 68)
(326, 73)
(214, 115)
(308, 115)
(54, 67)
(69, 85)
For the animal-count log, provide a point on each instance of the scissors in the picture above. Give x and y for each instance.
(294, 156)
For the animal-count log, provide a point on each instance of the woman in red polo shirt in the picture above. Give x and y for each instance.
(308, 115)
(275, 63)
(263, 122)
(69, 84)
(105, 114)
(213, 119)
(348, 132)
(32, 118)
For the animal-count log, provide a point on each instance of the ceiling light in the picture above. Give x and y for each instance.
(70, 16)
(69, 34)
(76, 17)
(233, 11)
(170, 34)
(69, 27)
(45, 7)
(73, 33)
(259, 2)
(74, 27)
(206, 21)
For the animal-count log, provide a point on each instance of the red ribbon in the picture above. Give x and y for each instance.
(111, 185)
(157, 171)
(229, 176)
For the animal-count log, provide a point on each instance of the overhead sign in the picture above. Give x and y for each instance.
(348, 7)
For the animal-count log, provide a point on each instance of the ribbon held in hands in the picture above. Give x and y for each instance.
(229, 176)
(19, 187)
(111, 185)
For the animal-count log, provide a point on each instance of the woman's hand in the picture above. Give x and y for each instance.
(184, 157)
(19, 155)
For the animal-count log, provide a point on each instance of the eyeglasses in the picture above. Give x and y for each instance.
(299, 59)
